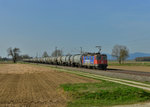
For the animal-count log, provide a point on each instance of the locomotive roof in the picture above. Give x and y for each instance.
(93, 54)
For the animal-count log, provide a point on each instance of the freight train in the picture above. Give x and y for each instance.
(88, 60)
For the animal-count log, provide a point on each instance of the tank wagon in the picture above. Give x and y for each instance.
(88, 60)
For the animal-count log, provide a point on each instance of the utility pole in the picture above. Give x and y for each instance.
(56, 54)
(99, 48)
(37, 55)
(61, 52)
(81, 50)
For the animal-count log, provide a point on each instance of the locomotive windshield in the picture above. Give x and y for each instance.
(104, 57)
(101, 57)
(98, 57)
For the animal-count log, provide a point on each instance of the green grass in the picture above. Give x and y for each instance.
(128, 63)
(103, 94)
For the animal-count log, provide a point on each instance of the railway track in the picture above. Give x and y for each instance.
(129, 72)
(115, 73)
(140, 73)
(100, 77)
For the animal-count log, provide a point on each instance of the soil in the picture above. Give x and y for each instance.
(24, 85)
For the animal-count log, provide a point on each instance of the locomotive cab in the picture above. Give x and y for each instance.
(95, 60)
(101, 61)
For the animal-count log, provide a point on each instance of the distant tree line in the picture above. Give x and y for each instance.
(142, 59)
(21, 57)
(4, 59)
(45, 54)
(55, 53)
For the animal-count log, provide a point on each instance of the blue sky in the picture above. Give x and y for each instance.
(35, 26)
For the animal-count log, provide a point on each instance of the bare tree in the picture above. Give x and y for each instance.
(0, 58)
(120, 52)
(14, 53)
(45, 54)
(57, 53)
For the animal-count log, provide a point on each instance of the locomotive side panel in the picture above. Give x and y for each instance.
(95, 61)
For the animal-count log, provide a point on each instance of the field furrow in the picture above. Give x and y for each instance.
(28, 85)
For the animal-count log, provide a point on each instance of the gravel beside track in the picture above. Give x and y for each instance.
(123, 74)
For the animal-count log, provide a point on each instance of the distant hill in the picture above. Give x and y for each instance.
(138, 54)
(132, 56)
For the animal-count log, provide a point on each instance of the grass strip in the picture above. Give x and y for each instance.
(121, 81)
(103, 94)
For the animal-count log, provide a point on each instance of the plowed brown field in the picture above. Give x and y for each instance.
(23, 85)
